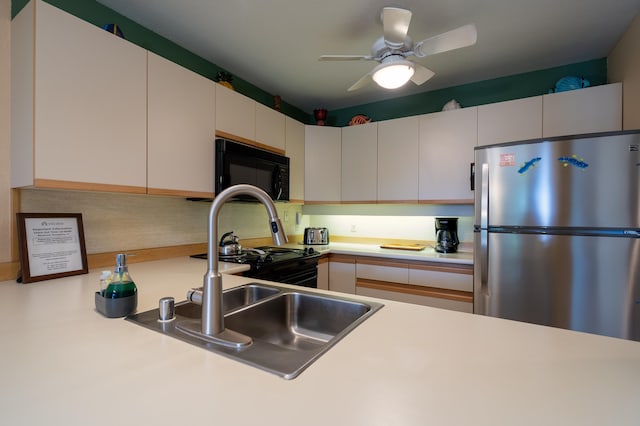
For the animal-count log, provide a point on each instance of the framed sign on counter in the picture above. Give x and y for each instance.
(51, 245)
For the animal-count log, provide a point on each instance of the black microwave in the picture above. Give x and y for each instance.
(238, 163)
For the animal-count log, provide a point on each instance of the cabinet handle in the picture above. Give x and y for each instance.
(472, 176)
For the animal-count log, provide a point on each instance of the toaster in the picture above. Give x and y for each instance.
(319, 236)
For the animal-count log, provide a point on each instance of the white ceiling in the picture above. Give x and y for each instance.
(275, 44)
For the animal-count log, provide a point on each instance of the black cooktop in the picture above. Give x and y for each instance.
(261, 256)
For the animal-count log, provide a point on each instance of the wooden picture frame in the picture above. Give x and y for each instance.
(51, 245)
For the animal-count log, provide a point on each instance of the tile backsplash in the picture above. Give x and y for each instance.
(114, 222)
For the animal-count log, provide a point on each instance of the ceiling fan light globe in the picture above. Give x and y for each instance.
(393, 76)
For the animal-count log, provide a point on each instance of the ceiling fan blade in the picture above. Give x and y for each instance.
(345, 58)
(454, 39)
(396, 25)
(421, 74)
(364, 80)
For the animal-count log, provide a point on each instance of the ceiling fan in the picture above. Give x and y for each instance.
(393, 49)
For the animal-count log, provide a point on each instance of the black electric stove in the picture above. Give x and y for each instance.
(279, 264)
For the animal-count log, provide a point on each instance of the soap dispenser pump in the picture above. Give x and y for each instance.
(121, 284)
(120, 298)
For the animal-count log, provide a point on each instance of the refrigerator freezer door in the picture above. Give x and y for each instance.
(582, 283)
(584, 183)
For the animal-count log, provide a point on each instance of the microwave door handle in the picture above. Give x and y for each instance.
(277, 184)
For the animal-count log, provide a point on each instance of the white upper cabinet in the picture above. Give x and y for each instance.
(360, 163)
(294, 136)
(235, 114)
(590, 110)
(322, 164)
(181, 130)
(270, 127)
(79, 113)
(447, 142)
(510, 121)
(398, 142)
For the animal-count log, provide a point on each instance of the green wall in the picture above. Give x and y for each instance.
(500, 89)
(488, 91)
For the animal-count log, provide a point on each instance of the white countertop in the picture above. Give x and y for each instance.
(462, 256)
(65, 364)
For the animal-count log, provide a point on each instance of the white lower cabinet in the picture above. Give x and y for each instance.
(342, 273)
(399, 296)
(323, 273)
(422, 283)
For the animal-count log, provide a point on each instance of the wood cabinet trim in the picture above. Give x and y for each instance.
(457, 269)
(251, 142)
(415, 290)
(179, 193)
(376, 261)
(455, 202)
(86, 186)
(342, 258)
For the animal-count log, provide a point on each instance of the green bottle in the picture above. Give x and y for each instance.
(121, 284)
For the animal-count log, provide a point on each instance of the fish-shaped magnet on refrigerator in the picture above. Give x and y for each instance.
(573, 161)
(529, 164)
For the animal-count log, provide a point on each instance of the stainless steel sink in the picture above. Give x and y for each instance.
(232, 299)
(290, 328)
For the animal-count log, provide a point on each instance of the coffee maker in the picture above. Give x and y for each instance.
(447, 234)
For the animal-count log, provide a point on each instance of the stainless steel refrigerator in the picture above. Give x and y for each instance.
(557, 233)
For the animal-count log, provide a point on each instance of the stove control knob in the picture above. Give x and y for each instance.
(268, 258)
(310, 250)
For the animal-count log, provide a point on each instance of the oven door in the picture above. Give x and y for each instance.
(302, 272)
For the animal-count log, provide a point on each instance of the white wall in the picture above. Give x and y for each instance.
(5, 130)
(624, 66)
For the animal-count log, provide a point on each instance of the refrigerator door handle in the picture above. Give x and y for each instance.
(484, 196)
(484, 267)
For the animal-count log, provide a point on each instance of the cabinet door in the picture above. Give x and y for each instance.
(382, 270)
(294, 137)
(590, 110)
(447, 140)
(510, 121)
(322, 164)
(360, 163)
(270, 127)
(449, 278)
(398, 159)
(181, 130)
(323, 273)
(90, 105)
(418, 299)
(342, 275)
(235, 114)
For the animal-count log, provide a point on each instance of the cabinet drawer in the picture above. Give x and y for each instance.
(395, 274)
(447, 280)
(458, 302)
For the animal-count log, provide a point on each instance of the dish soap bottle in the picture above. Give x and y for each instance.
(121, 284)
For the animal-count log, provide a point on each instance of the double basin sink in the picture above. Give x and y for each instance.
(289, 328)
